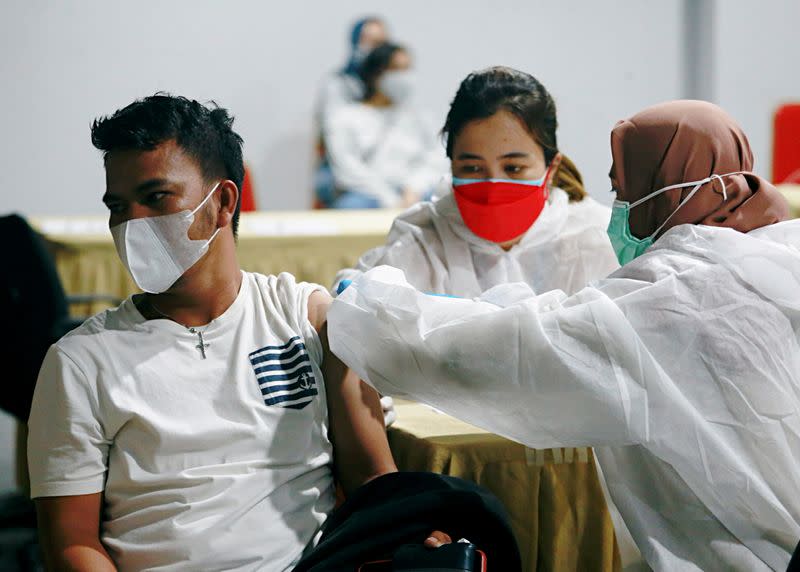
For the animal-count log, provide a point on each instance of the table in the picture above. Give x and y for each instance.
(312, 245)
(554, 497)
(791, 193)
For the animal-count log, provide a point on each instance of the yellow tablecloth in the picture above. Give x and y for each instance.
(792, 195)
(553, 496)
(312, 245)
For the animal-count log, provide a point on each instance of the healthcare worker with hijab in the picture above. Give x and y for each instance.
(517, 211)
(682, 368)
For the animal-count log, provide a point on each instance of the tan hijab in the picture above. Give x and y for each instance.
(684, 141)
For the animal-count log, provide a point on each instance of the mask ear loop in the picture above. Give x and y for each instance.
(212, 237)
(721, 182)
(546, 183)
(205, 200)
(669, 188)
(692, 193)
(698, 186)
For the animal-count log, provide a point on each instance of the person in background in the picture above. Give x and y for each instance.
(340, 88)
(345, 85)
(682, 368)
(517, 212)
(383, 151)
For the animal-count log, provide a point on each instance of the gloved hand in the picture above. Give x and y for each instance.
(343, 286)
(389, 412)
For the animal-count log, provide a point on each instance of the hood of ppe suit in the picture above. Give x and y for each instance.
(565, 248)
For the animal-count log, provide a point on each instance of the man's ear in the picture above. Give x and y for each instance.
(228, 197)
(551, 173)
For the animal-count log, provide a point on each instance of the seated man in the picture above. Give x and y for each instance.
(196, 422)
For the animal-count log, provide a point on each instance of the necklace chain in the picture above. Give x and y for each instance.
(202, 345)
(163, 314)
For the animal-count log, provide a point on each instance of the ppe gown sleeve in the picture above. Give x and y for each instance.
(541, 370)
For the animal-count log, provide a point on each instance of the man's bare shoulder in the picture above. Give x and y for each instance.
(318, 304)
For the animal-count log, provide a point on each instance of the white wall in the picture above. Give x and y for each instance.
(64, 63)
(756, 60)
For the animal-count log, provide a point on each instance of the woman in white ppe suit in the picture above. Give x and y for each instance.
(518, 210)
(682, 368)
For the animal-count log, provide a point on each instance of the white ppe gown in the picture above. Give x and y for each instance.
(682, 369)
(565, 248)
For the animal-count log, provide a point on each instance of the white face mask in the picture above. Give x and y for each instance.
(157, 250)
(397, 85)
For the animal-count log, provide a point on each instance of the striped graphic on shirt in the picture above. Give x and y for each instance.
(284, 374)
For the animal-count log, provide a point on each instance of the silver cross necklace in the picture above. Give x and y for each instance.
(202, 345)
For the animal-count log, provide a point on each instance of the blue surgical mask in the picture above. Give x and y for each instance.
(628, 246)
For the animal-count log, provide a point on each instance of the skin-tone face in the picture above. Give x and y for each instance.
(167, 180)
(158, 182)
(401, 60)
(373, 34)
(500, 147)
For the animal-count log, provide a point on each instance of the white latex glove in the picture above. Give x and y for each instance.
(389, 412)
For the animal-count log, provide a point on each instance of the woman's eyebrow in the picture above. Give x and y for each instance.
(515, 155)
(467, 156)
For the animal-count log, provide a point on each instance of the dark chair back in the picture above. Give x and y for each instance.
(34, 308)
(794, 563)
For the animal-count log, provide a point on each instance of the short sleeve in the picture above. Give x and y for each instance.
(293, 298)
(67, 449)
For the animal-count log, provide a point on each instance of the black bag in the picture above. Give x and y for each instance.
(404, 508)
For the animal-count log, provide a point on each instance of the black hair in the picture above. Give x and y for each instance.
(204, 132)
(484, 93)
(377, 62)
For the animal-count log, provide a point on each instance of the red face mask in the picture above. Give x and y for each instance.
(500, 210)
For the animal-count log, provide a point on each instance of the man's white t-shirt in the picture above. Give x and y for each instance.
(221, 463)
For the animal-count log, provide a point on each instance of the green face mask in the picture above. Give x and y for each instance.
(625, 244)
(628, 246)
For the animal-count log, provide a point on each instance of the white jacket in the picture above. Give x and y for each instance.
(565, 248)
(378, 152)
(682, 369)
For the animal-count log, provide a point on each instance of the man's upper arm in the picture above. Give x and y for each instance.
(361, 449)
(69, 529)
